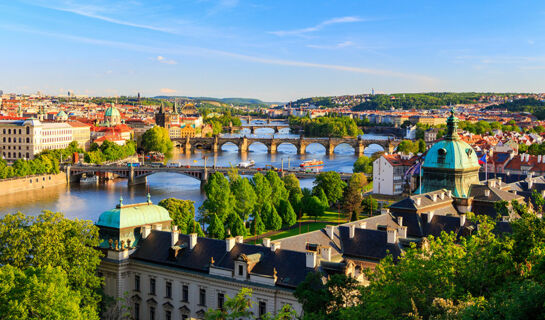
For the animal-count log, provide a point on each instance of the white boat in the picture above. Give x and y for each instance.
(246, 164)
(88, 180)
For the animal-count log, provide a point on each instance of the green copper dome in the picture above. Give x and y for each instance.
(134, 215)
(112, 112)
(450, 163)
(61, 114)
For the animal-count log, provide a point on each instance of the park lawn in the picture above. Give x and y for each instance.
(329, 217)
(295, 231)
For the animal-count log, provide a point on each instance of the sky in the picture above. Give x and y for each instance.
(273, 50)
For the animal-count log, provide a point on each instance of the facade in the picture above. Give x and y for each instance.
(389, 172)
(450, 164)
(22, 139)
(167, 275)
(81, 133)
(112, 116)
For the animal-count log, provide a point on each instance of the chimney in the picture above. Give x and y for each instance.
(146, 230)
(158, 227)
(267, 242)
(275, 246)
(311, 259)
(499, 181)
(230, 243)
(330, 230)
(351, 231)
(174, 236)
(530, 183)
(539, 158)
(392, 235)
(326, 253)
(434, 197)
(442, 196)
(487, 193)
(192, 240)
(417, 201)
(402, 232)
(430, 216)
(462, 219)
(400, 220)
(450, 193)
(363, 225)
(239, 239)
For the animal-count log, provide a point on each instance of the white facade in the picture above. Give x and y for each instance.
(388, 178)
(22, 139)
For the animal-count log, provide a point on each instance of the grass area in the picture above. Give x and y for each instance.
(295, 231)
(329, 217)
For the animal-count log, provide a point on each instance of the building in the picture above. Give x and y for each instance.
(81, 133)
(168, 275)
(389, 173)
(22, 139)
(166, 119)
(112, 116)
(450, 164)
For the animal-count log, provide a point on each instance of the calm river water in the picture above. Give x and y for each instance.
(89, 201)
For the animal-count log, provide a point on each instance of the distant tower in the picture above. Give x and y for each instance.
(160, 117)
(138, 96)
(373, 91)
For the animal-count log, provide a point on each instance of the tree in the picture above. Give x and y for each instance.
(363, 164)
(245, 197)
(215, 228)
(312, 294)
(314, 207)
(257, 226)
(219, 199)
(157, 139)
(369, 205)
(236, 224)
(240, 306)
(353, 195)
(270, 217)
(40, 293)
(286, 212)
(181, 212)
(278, 190)
(538, 200)
(422, 146)
(294, 189)
(323, 198)
(331, 183)
(49, 239)
(262, 189)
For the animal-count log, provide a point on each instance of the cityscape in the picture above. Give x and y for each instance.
(236, 159)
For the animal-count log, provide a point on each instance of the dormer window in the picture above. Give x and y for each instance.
(441, 155)
(240, 270)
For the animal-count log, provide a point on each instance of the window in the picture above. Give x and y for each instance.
(27, 130)
(151, 313)
(202, 297)
(185, 317)
(185, 293)
(221, 300)
(152, 286)
(137, 311)
(168, 315)
(168, 291)
(240, 270)
(136, 283)
(262, 308)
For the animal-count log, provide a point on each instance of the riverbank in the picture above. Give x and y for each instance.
(34, 182)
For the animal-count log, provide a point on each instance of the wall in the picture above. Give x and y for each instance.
(8, 186)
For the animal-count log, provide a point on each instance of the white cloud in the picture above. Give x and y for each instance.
(339, 45)
(167, 90)
(317, 27)
(164, 60)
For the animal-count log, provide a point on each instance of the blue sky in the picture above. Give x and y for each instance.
(274, 50)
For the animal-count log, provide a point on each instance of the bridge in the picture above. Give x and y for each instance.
(253, 128)
(268, 119)
(243, 143)
(137, 175)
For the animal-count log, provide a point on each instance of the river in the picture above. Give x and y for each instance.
(89, 201)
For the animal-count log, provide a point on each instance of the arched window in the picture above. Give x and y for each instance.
(441, 155)
(27, 130)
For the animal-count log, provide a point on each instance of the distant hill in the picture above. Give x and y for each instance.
(234, 101)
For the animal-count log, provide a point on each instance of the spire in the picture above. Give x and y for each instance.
(452, 127)
(149, 198)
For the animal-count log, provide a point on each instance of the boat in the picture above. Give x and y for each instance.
(312, 165)
(246, 164)
(89, 180)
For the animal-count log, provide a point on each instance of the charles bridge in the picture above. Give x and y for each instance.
(243, 143)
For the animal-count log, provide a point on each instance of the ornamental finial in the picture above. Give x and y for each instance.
(120, 201)
(149, 198)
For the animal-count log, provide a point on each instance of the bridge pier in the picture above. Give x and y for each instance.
(243, 145)
(330, 148)
(252, 130)
(273, 147)
(302, 148)
(359, 149)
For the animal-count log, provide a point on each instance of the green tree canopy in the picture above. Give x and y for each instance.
(363, 164)
(257, 226)
(331, 183)
(262, 189)
(287, 214)
(182, 212)
(278, 190)
(157, 139)
(219, 199)
(245, 197)
(215, 228)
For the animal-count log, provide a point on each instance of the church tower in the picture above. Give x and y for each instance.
(450, 164)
